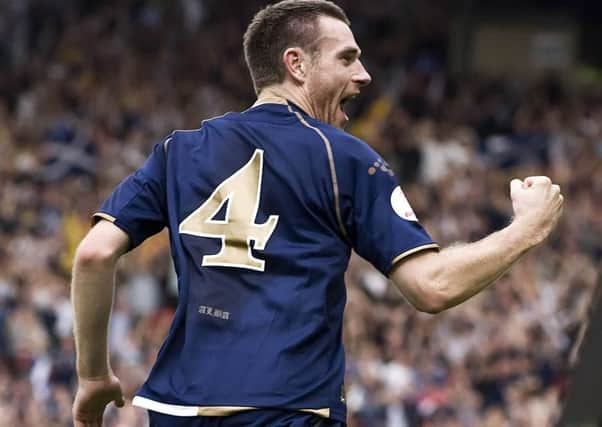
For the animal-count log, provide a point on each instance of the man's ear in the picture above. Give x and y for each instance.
(295, 63)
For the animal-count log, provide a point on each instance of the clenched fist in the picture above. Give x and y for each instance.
(93, 395)
(537, 205)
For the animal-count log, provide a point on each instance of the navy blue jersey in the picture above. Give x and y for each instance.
(263, 209)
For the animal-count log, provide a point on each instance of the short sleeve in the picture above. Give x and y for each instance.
(137, 205)
(379, 220)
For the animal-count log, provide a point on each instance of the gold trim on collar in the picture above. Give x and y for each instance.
(270, 99)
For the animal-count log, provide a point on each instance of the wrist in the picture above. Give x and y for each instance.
(524, 233)
(93, 373)
(102, 378)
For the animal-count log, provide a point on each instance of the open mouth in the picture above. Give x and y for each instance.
(344, 102)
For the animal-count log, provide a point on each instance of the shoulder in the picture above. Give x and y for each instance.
(182, 137)
(224, 120)
(348, 148)
(354, 159)
(177, 137)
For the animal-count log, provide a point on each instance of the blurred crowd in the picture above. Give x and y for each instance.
(86, 90)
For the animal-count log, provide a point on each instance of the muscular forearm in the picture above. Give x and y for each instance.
(92, 289)
(92, 295)
(461, 271)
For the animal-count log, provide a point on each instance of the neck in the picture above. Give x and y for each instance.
(279, 94)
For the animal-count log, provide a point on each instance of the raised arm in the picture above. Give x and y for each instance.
(433, 282)
(92, 289)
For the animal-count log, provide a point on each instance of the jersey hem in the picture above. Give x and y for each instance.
(209, 411)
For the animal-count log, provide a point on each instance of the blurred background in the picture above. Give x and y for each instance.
(465, 96)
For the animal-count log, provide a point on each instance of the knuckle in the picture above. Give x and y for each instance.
(541, 180)
(544, 180)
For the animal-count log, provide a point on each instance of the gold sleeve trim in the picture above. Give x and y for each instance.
(101, 215)
(333, 174)
(413, 251)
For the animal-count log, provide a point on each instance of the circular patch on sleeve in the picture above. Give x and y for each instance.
(401, 206)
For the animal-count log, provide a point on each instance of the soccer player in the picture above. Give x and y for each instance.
(263, 209)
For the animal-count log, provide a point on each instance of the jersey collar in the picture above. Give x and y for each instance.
(280, 100)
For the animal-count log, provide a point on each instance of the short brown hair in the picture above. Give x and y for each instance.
(279, 26)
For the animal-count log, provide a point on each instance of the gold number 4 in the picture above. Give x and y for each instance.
(241, 192)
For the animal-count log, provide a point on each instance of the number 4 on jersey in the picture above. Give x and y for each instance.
(241, 192)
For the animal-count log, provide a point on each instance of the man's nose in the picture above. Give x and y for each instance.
(361, 77)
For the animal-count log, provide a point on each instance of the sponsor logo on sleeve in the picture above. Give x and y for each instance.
(380, 165)
(401, 206)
